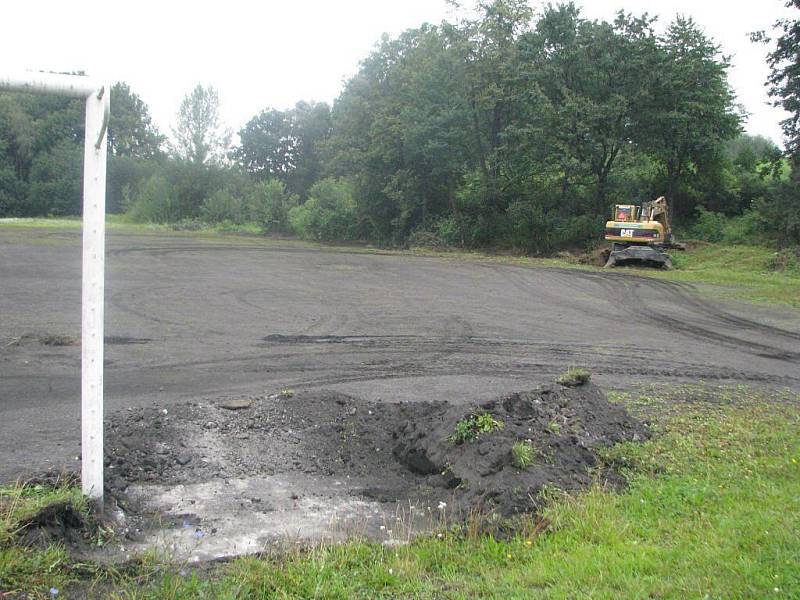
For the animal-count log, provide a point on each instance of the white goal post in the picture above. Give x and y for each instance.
(97, 95)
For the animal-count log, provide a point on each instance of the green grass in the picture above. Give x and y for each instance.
(122, 224)
(574, 376)
(739, 272)
(523, 454)
(113, 222)
(711, 512)
(31, 569)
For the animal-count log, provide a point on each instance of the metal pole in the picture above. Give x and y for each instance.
(98, 99)
(94, 224)
(75, 86)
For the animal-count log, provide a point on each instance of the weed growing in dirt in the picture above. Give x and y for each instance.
(554, 427)
(574, 377)
(523, 454)
(474, 425)
(286, 393)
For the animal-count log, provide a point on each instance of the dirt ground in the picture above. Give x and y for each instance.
(204, 321)
(388, 452)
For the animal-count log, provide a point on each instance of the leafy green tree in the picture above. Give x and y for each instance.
(399, 128)
(689, 113)
(784, 78)
(56, 181)
(589, 87)
(782, 208)
(16, 152)
(286, 145)
(131, 131)
(222, 206)
(312, 127)
(17, 132)
(10, 194)
(200, 136)
(267, 148)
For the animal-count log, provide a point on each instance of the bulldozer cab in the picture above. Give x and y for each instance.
(626, 212)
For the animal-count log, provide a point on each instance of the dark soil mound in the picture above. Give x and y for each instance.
(390, 452)
(58, 523)
(563, 426)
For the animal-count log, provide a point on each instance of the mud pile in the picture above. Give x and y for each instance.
(390, 452)
(562, 427)
(60, 522)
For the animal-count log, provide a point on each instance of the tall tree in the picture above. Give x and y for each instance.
(267, 148)
(784, 83)
(591, 75)
(690, 111)
(200, 136)
(784, 79)
(286, 145)
(39, 138)
(131, 131)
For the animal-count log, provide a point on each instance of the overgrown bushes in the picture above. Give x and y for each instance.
(329, 214)
(776, 221)
(269, 204)
(710, 226)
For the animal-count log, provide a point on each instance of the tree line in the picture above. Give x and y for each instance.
(506, 129)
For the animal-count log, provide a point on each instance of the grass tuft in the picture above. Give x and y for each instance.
(574, 377)
(523, 454)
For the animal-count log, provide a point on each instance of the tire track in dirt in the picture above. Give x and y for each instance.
(684, 295)
(634, 302)
(466, 356)
(683, 292)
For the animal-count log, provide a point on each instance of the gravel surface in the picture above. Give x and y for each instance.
(204, 320)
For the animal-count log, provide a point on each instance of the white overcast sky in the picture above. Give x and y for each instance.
(271, 53)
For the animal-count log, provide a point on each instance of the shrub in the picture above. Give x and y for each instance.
(269, 205)
(222, 206)
(125, 176)
(747, 228)
(535, 228)
(154, 202)
(787, 260)
(424, 238)
(328, 214)
(781, 213)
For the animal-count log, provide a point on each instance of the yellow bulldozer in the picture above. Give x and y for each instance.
(641, 235)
